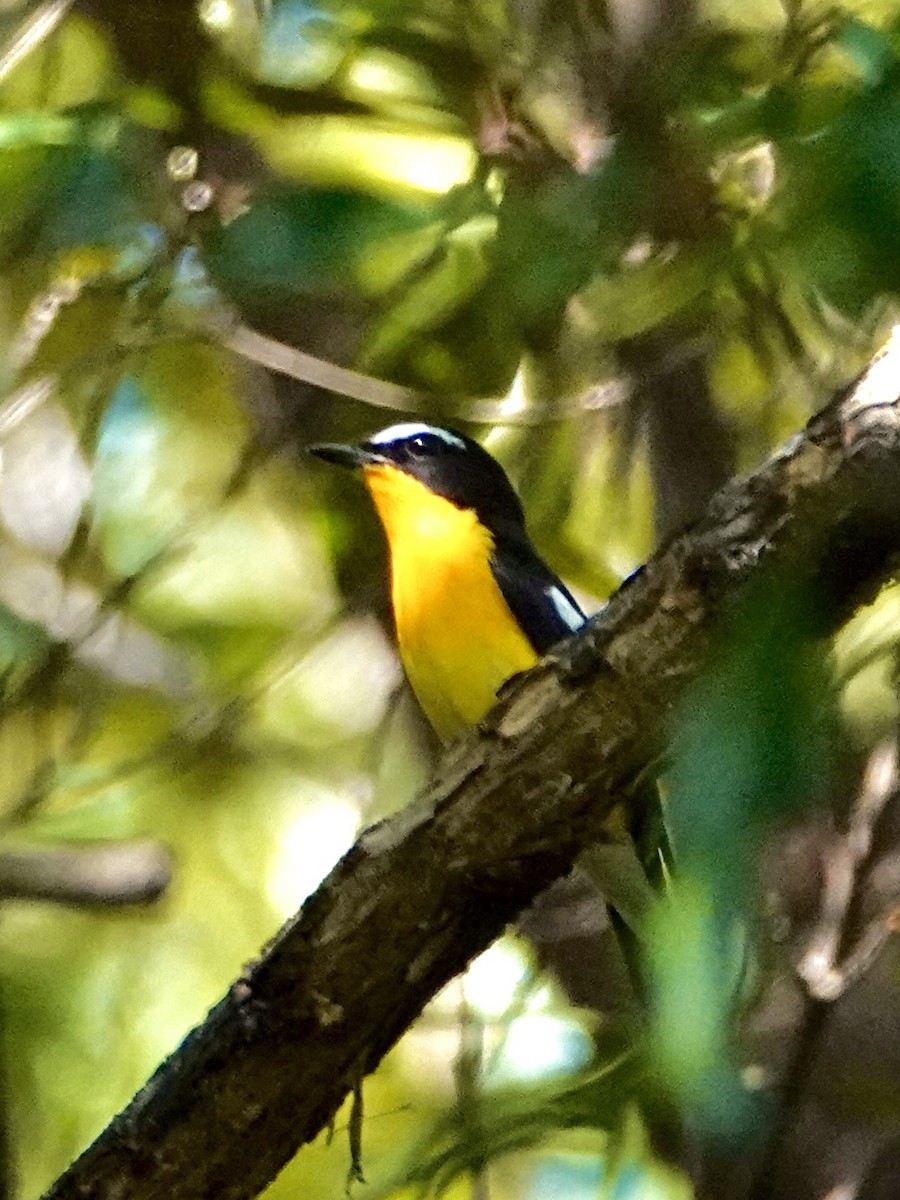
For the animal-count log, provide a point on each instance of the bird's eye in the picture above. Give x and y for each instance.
(429, 444)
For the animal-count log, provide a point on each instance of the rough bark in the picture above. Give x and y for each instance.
(507, 812)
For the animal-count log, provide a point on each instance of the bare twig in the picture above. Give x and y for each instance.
(825, 977)
(307, 368)
(128, 872)
(33, 32)
(825, 974)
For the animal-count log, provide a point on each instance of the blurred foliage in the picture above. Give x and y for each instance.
(650, 244)
(750, 748)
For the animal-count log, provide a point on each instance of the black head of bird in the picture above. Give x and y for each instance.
(446, 463)
(473, 602)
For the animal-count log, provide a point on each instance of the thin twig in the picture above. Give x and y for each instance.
(825, 977)
(307, 368)
(115, 873)
(33, 31)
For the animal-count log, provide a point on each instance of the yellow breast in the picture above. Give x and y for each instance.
(458, 640)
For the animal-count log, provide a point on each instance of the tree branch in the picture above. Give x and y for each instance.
(133, 871)
(508, 810)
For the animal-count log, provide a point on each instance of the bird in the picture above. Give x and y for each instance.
(474, 604)
(473, 601)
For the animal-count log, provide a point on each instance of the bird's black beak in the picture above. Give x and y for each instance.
(345, 456)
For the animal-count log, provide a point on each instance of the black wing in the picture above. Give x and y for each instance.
(540, 602)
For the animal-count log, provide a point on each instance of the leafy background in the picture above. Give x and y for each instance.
(631, 248)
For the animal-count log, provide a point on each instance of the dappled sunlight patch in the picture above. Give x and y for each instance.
(540, 1044)
(527, 1031)
(322, 828)
(865, 653)
(44, 480)
(341, 687)
(241, 566)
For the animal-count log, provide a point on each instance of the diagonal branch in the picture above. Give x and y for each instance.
(508, 810)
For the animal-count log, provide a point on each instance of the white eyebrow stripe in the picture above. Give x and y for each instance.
(409, 429)
(566, 609)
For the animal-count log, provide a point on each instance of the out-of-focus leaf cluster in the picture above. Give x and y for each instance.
(751, 748)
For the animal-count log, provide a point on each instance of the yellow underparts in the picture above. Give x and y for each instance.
(458, 639)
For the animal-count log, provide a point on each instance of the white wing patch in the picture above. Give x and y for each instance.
(569, 614)
(411, 429)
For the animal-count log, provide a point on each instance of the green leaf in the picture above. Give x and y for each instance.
(844, 196)
(750, 747)
(73, 66)
(24, 649)
(869, 48)
(517, 1118)
(751, 741)
(637, 299)
(695, 961)
(434, 297)
(297, 240)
